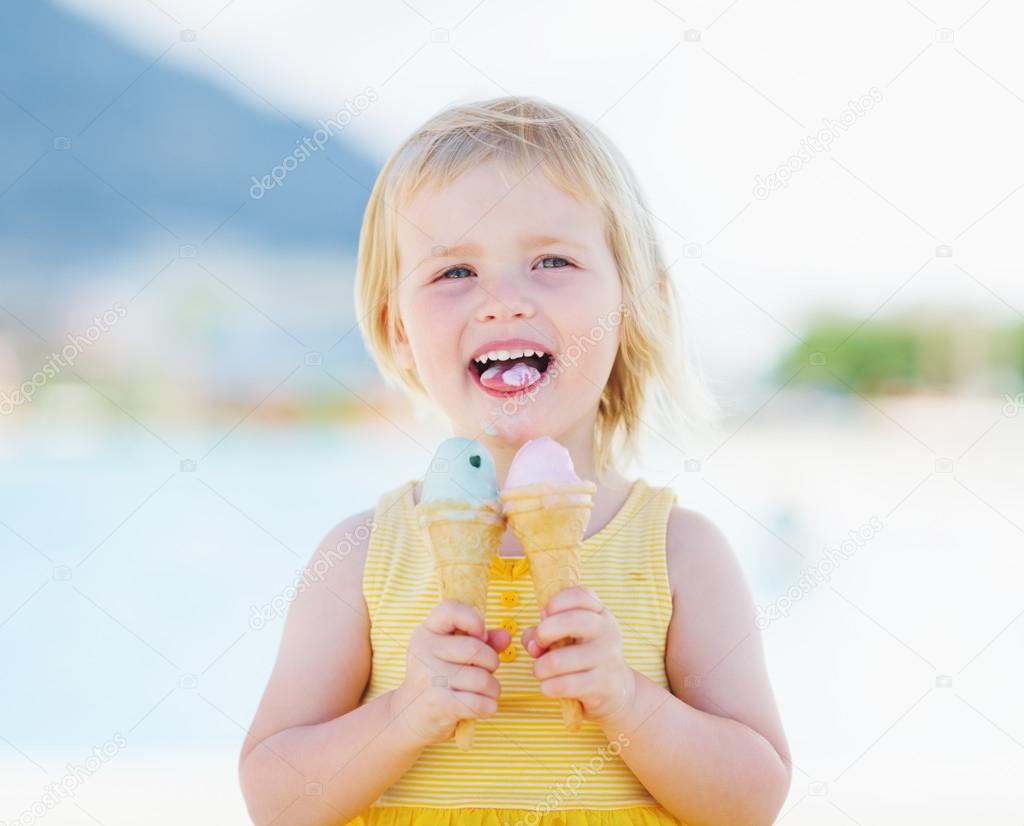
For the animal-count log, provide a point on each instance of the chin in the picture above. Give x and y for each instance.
(527, 422)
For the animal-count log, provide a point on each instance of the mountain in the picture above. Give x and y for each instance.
(103, 147)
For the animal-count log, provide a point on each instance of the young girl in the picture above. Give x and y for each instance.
(508, 232)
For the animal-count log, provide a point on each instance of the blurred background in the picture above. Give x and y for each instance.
(186, 406)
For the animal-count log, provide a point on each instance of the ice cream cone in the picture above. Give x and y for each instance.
(464, 539)
(549, 520)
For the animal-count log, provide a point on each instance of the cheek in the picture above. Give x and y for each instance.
(594, 325)
(433, 323)
(427, 321)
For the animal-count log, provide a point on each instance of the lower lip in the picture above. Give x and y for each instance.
(510, 394)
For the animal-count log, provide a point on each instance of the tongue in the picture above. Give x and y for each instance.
(509, 376)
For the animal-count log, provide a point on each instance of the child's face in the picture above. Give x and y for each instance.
(555, 294)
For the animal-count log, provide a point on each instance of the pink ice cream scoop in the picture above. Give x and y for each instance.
(541, 460)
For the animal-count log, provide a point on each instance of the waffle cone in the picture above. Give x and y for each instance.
(463, 539)
(550, 520)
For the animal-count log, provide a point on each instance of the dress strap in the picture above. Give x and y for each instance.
(390, 536)
(658, 504)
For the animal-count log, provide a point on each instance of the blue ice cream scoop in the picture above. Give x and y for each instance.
(461, 469)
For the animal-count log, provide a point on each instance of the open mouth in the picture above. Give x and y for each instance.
(507, 372)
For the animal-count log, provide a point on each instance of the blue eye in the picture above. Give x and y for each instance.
(565, 263)
(444, 275)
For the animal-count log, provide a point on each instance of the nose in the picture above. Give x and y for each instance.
(502, 300)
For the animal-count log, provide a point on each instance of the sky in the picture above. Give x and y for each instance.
(914, 205)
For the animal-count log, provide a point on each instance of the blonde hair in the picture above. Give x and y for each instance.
(652, 365)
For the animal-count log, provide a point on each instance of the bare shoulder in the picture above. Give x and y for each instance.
(714, 652)
(698, 555)
(341, 554)
(324, 658)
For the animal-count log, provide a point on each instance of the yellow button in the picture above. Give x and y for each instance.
(508, 655)
(509, 625)
(510, 599)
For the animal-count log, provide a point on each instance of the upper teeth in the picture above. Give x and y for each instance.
(503, 355)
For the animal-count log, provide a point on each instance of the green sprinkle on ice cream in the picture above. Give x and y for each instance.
(461, 469)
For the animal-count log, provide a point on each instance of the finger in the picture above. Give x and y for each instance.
(498, 638)
(468, 705)
(567, 660)
(579, 596)
(463, 650)
(476, 680)
(577, 623)
(449, 616)
(533, 648)
(575, 685)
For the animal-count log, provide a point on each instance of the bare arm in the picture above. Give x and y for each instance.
(712, 751)
(313, 755)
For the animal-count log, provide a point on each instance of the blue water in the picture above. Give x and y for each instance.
(132, 581)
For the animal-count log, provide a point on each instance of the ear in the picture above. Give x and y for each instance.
(403, 351)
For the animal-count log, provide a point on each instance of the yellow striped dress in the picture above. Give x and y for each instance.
(524, 768)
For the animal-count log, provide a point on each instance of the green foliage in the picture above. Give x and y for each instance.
(903, 354)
